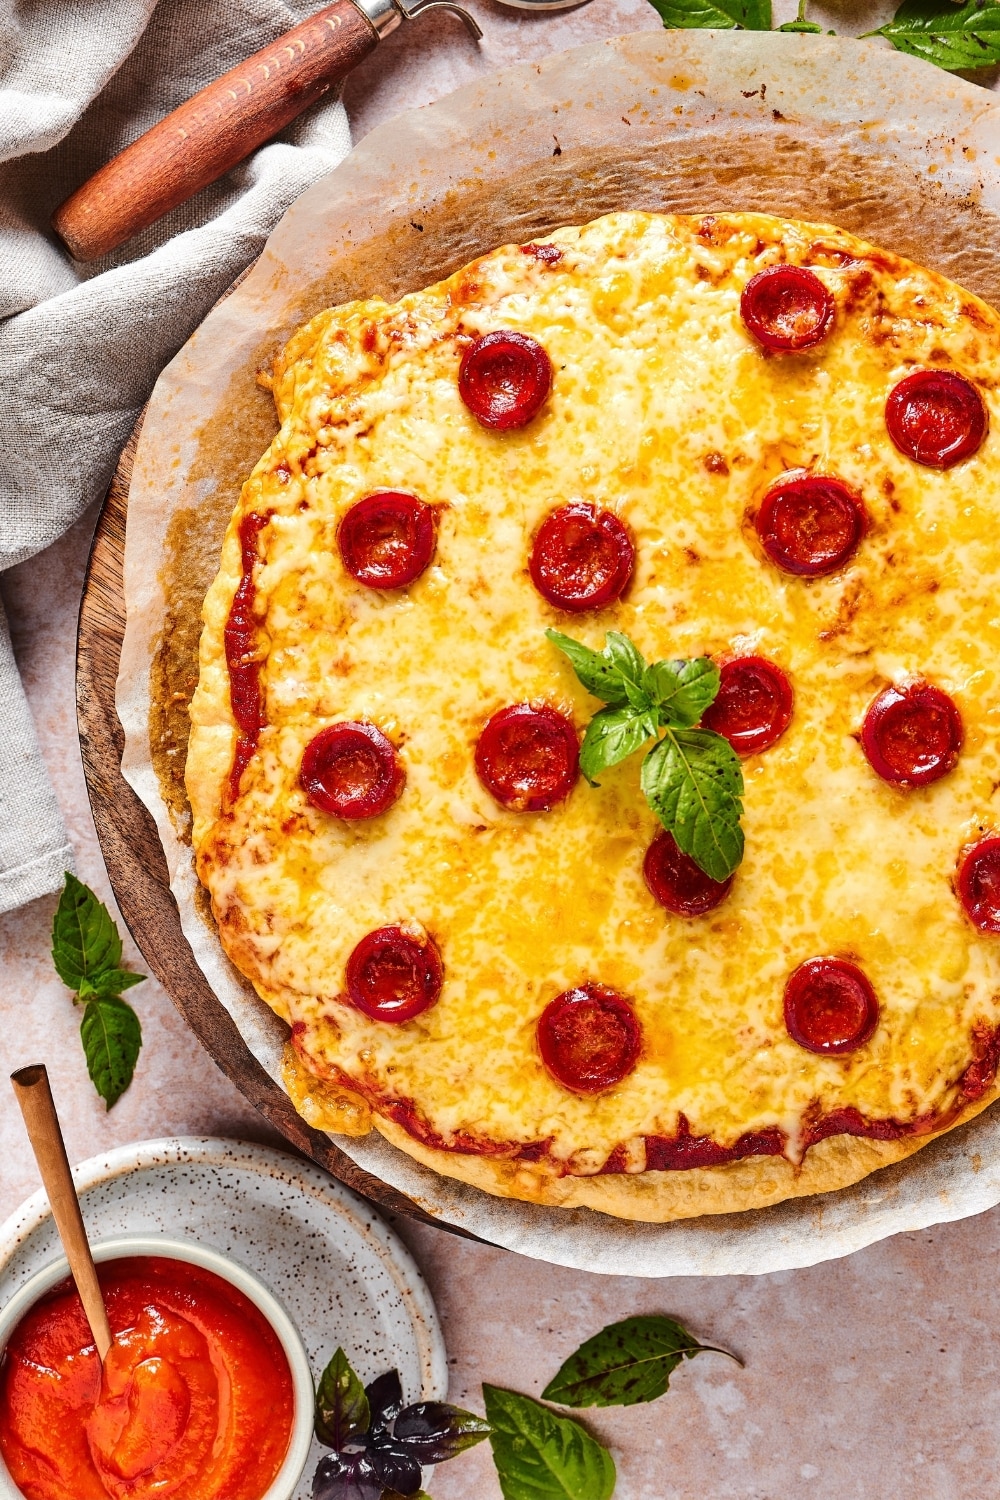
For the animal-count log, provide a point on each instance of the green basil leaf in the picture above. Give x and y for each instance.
(625, 1363)
(682, 690)
(693, 782)
(804, 26)
(85, 940)
(342, 1414)
(109, 982)
(595, 669)
(630, 664)
(721, 15)
(613, 734)
(952, 36)
(542, 1456)
(112, 1039)
(637, 696)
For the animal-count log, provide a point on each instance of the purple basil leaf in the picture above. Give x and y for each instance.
(385, 1400)
(433, 1431)
(346, 1476)
(396, 1468)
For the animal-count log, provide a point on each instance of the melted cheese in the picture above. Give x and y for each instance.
(655, 379)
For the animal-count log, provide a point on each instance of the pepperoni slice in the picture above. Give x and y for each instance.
(387, 539)
(753, 706)
(787, 307)
(352, 771)
(810, 524)
(979, 883)
(528, 757)
(504, 379)
(912, 735)
(677, 883)
(936, 417)
(393, 976)
(589, 1038)
(830, 1006)
(583, 558)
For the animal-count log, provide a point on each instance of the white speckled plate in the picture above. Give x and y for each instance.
(344, 1277)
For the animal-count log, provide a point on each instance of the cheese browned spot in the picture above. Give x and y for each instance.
(667, 412)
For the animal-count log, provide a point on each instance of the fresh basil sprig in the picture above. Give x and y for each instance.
(959, 38)
(542, 1456)
(626, 1363)
(691, 777)
(87, 953)
(378, 1444)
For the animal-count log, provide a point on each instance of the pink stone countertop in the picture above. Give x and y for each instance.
(871, 1378)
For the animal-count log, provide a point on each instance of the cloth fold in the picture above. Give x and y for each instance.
(81, 345)
(34, 848)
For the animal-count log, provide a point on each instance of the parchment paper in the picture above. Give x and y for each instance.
(804, 126)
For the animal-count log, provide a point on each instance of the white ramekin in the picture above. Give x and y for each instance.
(290, 1473)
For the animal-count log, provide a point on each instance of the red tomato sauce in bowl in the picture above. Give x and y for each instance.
(195, 1402)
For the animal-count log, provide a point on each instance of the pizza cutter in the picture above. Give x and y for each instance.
(226, 121)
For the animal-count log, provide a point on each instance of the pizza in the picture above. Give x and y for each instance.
(595, 754)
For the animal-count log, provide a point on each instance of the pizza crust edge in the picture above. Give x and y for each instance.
(647, 1197)
(837, 1162)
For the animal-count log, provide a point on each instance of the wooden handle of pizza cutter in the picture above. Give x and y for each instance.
(220, 126)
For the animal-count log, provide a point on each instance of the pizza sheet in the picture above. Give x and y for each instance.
(802, 126)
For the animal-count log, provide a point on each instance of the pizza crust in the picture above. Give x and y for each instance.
(662, 1197)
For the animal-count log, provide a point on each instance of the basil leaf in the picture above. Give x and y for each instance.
(952, 36)
(692, 778)
(682, 690)
(346, 1476)
(613, 734)
(433, 1431)
(85, 940)
(342, 1414)
(394, 1468)
(108, 982)
(615, 675)
(541, 1456)
(630, 664)
(805, 26)
(595, 669)
(112, 1039)
(395, 1495)
(723, 15)
(385, 1400)
(625, 1363)
(693, 782)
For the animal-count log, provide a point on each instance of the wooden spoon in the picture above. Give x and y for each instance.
(31, 1085)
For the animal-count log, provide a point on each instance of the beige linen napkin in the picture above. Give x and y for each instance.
(81, 346)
